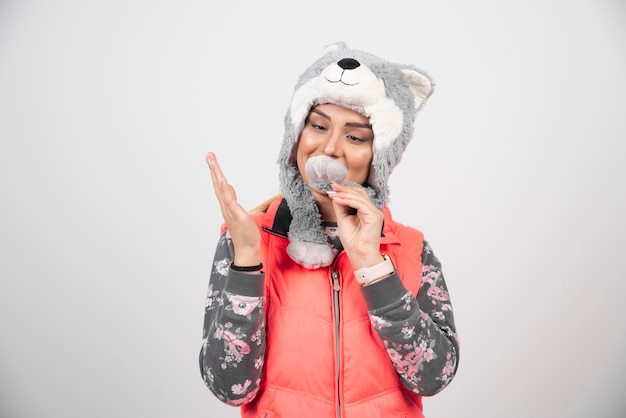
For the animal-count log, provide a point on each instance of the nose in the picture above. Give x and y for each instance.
(348, 63)
(331, 147)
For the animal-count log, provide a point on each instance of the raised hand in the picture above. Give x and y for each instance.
(243, 231)
(360, 232)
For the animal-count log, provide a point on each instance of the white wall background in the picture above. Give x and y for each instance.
(108, 221)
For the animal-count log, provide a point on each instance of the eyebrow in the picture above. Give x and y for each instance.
(353, 124)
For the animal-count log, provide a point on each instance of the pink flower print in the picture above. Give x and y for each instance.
(222, 266)
(439, 315)
(244, 305)
(407, 301)
(437, 294)
(429, 355)
(448, 369)
(239, 389)
(245, 399)
(407, 368)
(394, 355)
(408, 332)
(219, 333)
(414, 357)
(211, 296)
(236, 347)
(258, 363)
(429, 274)
(378, 322)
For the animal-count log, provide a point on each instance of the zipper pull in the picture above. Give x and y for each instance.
(335, 281)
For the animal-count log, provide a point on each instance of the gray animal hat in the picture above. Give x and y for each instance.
(389, 94)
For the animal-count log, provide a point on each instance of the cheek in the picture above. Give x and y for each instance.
(304, 147)
(305, 143)
(359, 165)
(299, 158)
(299, 152)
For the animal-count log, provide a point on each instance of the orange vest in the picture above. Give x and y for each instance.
(323, 358)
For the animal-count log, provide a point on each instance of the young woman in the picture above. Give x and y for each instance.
(357, 323)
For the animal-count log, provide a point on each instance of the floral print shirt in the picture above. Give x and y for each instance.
(419, 333)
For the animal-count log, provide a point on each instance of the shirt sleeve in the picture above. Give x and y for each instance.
(233, 344)
(418, 332)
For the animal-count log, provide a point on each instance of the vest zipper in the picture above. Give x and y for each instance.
(336, 288)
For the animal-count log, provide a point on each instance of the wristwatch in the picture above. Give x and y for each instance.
(367, 275)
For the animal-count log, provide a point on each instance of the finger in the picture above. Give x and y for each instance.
(223, 190)
(348, 201)
(349, 190)
(341, 211)
(354, 197)
(217, 176)
(225, 193)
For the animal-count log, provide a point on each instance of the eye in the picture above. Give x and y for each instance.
(318, 127)
(315, 125)
(355, 139)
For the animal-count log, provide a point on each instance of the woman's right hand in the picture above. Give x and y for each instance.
(243, 230)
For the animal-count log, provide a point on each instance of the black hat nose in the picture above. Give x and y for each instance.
(348, 63)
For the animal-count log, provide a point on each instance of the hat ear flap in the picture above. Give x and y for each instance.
(420, 84)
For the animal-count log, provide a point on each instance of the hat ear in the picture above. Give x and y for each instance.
(336, 46)
(421, 86)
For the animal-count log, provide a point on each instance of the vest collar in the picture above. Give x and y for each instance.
(279, 210)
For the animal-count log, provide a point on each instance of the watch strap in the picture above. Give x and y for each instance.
(369, 274)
